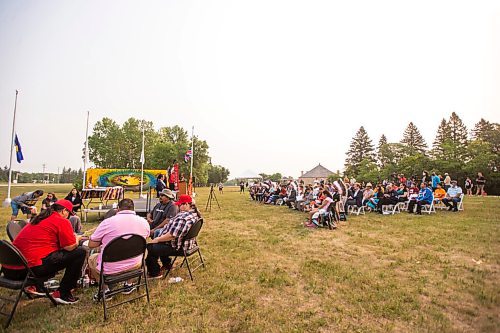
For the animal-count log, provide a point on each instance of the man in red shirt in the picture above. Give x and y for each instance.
(49, 245)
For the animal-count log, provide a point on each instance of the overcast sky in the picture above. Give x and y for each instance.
(272, 86)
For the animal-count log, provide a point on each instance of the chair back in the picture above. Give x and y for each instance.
(194, 231)
(124, 247)
(10, 255)
(13, 229)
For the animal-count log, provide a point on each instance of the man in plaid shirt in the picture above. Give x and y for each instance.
(170, 241)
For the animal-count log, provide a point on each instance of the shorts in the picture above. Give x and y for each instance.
(15, 208)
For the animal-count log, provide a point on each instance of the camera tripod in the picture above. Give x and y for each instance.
(211, 197)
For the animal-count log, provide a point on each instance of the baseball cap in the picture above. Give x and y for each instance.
(66, 204)
(184, 198)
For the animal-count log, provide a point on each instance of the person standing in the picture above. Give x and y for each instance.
(480, 182)
(447, 181)
(468, 185)
(242, 187)
(221, 188)
(22, 201)
(160, 184)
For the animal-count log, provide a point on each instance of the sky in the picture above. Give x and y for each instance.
(272, 86)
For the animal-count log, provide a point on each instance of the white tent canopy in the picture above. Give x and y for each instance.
(248, 174)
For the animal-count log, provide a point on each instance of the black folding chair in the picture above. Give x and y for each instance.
(191, 235)
(13, 228)
(122, 248)
(10, 255)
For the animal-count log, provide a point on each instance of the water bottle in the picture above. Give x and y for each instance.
(175, 279)
(86, 281)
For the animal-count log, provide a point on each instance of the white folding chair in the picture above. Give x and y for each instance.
(429, 208)
(460, 204)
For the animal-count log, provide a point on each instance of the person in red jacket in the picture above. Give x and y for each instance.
(49, 245)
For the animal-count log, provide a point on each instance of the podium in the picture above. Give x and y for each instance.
(183, 188)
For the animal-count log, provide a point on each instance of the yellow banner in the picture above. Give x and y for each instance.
(129, 179)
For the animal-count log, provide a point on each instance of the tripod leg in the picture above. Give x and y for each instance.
(217, 201)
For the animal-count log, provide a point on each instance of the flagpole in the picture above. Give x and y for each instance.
(142, 160)
(8, 200)
(192, 153)
(86, 153)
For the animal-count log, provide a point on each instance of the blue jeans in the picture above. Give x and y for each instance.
(15, 208)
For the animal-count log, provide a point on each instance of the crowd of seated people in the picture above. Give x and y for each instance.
(316, 199)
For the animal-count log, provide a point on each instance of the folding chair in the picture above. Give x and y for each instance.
(10, 255)
(460, 204)
(429, 208)
(191, 235)
(13, 229)
(438, 204)
(121, 248)
(354, 209)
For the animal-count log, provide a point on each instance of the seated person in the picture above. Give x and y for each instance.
(291, 198)
(402, 192)
(367, 194)
(49, 245)
(125, 221)
(413, 191)
(322, 208)
(377, 194)
(390, 197)
(75, 198)
(424, 198)
(170, 241)
(453, 195)
(355, 197)
(162, 212)
(48, 201)
(24, 202)
(439, 193)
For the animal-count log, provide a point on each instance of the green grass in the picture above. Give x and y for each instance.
(267, 273)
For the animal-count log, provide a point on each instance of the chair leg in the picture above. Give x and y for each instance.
(14, 308)
(170, 268)
(189, 268)
(201, 258)
(146, 285)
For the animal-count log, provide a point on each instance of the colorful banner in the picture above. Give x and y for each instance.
(129, 179)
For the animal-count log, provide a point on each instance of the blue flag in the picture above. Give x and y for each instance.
(19, 152)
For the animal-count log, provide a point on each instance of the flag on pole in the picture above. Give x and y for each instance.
(142, 160)
(19, 152)
(188, 155)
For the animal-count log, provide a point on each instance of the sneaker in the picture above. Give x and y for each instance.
(97, 296)
(128, 288)
(66, 299)
(32, 290)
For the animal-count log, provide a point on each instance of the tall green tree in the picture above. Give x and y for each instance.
(381, 161)
(413, 140)
(217, 174)
(361, 148)
(458, 137)
(488, 132)
(443, 133)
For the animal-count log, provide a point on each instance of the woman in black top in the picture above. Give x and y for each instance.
(160, 184)
(480, 182)
(75, 198)
(48, 201)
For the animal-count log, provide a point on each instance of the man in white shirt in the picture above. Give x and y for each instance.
(452, 196)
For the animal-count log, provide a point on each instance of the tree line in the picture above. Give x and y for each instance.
(67, 175)
(112, 146)
(454, 150)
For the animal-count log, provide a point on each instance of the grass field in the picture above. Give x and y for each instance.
(267, 273)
